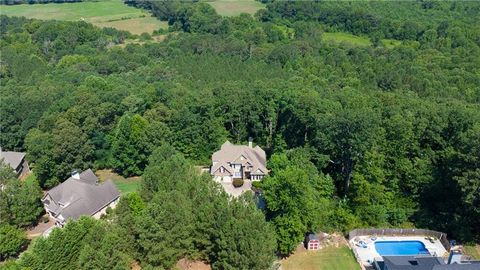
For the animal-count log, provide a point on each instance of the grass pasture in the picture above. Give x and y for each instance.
(342, 37)
(125, 185)
(108, 13)
(329, 258)
(235, 7)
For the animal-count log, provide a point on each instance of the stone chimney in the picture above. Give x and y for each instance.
(76, 175)
(250, 142)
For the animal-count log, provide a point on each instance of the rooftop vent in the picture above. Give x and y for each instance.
(76, 175)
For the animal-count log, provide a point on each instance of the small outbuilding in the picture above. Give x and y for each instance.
(312, 242)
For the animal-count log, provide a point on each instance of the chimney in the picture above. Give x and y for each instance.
(455, 257)
(75, 175)
(250, 143)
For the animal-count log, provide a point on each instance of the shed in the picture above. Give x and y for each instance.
(312, 242)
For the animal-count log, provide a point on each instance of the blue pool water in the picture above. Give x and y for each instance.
(400, 248)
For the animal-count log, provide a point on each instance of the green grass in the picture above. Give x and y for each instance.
(236, 7)
(125, 185)
(330, 258)
(390, 43)
(108, 13)
(473, 250)
(30, 179)
(342, 37)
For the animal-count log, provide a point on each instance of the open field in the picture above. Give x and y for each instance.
(235, 7)
(329, 258)
(339, 37)
(473, 250)
(109, 13)
(125, 185)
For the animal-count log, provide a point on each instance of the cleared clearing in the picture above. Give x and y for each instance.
(343, 37)
(236, 7)
(340, 37)
(125, 185)
(110, 13)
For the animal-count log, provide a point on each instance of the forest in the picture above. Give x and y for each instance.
(356, 136)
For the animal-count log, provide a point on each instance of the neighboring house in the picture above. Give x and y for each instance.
(424, 262)
(16, 160)
(238, 161)
(80, 195)
(312, 242)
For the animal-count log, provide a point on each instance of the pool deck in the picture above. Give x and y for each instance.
(367, 255)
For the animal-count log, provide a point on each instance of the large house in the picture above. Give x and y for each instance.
(16, 160)
(80, 195)
(425, 262)
(238, 161)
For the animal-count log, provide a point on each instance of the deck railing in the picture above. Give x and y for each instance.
(442, 237)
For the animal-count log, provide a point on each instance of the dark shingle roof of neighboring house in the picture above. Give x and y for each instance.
(14, 159)
(423, 263)
(457, 267)
(76, 197)
(411, 262)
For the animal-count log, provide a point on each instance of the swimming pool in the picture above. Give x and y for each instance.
(400, 248)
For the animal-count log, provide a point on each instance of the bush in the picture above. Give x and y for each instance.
(257, 184)
(237, 182)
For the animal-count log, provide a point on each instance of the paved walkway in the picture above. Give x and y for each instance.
(236, 192)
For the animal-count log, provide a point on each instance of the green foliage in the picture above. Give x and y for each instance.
(245, 240)
(130, 149)
(191, 216)
(20, 203)
(85, 243)
(12, 241)
(296, 196)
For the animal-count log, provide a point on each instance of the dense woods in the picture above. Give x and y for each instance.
(356, 136)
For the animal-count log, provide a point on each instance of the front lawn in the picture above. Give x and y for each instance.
(329, 258)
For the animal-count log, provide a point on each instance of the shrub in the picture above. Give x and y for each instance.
(257, 184)
(237, 182)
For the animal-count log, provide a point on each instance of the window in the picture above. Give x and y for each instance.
(238, 174)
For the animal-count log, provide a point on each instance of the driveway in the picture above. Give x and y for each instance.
(40, 228)
(236, 192)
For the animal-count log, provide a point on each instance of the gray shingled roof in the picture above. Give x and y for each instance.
(230, 152)
(14, 159)
(411, 262)
(423, 263)
(80, 196)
